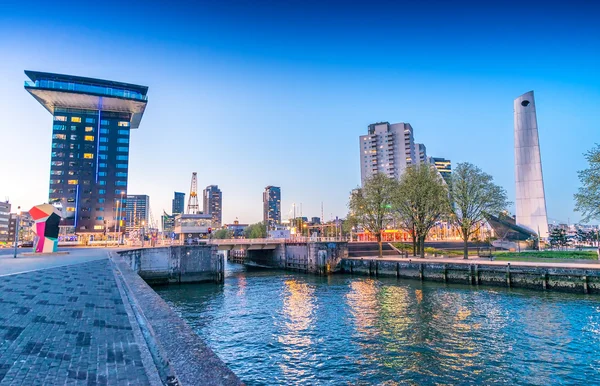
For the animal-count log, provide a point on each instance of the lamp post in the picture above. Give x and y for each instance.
(143, 232)
(18, 222)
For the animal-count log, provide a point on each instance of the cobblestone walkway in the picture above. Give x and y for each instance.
(67, 325)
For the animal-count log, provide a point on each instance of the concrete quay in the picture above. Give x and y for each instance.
(579, 276)
(89, 319)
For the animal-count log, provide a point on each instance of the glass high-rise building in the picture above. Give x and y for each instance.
(212, 204)
(178, 203)
(90, 146)
(137, 212)
(272, 206)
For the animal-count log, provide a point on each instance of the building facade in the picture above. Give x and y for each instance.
(388, 149)
(272, 207)
(4, 221)
(178, 204)
(213, 204)
(443, 166)
(92, 119)
(136, 212)
(422, 153)
(530, 196)
(26, 224)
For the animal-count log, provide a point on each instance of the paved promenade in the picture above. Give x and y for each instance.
(67, 325)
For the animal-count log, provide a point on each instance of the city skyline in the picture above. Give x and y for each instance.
(284, 106)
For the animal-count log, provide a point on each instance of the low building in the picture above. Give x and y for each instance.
(25, 227)
(4, 220)
(237, 229)
(193, 228)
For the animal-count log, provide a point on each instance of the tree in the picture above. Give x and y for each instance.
(558, 238)
(255, 231)
(472, 195)
(371, 205)
(587, 198)
(223, 234)
(420, 202)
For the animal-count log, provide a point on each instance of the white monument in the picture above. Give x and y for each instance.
(531, 199)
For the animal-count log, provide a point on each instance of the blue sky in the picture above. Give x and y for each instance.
(254, 93)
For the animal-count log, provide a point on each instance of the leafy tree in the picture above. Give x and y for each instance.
(587, 198)
(558, 238)
(255, 231)
(223, 234)
(371, 205)
(473, 193)
(420, 201)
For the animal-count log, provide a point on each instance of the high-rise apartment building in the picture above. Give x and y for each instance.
(137, 212)
(213, 204)
(178, 203)
(443, 166)
(388, 149)
(4, 221)
(421, 152)
(272, 206)
(90, 145)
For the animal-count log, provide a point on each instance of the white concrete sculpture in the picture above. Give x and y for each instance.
(531, 199)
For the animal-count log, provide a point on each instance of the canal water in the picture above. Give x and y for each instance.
(281, 328)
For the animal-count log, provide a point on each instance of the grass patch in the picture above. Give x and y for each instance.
(430, 251)
(549, 255)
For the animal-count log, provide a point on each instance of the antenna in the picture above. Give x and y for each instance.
(193, 207)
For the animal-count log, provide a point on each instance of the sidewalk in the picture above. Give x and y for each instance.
(67, 324)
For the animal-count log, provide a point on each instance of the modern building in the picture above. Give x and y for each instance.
(193, 228)
(315, 220)
(92, 119)
(168, 224)
(213, 204)
(136, 212)
(530, 197)
(236, 228)
(178, 204)
(4, 221)
(25, 226)
(388, 149)
(421, 152)
(272, 207)
(443, 166)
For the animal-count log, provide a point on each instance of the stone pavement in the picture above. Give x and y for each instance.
(68, 325)
(26, 263)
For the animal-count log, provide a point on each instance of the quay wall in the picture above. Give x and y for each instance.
(176, 264)
(533, 277)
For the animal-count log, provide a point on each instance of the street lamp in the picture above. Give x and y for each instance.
(143, 231)
(18, 222)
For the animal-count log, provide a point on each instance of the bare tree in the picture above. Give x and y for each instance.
(472, 195)
(371, 205)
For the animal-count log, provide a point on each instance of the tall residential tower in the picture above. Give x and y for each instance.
(178, 204)
(213, 204)
(272, 206)
(90, 145)
(529, 181)
(388, 148)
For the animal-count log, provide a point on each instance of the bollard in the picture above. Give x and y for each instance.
(585, 284)
(445, 273)
(508, 275)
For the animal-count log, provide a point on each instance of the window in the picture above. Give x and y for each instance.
(117, 191)
(124, 124)
(122, 140)
(120, 174)
(104, 122)
(101, 182)
(102, 156)
(99, 218)
(56, 145)
(74, 137)
(89, 138)
(57, 172)
(60, 118)
(122, 158)
(90, 120)
(70, 200)
(103, 131)
(88, 164)
(102, 174)
(56, 182)
(74, 146)
(102, 191)
(86, 182)
(76, 119)
(98, 227)
(121, 166)
(121, 183)
(73, 182)
(59, 136)
(103, 148)
(57, 163)
(88, 147)
(73, 128)
(103, 139)
(59, 127)
(88, 155)
(100, 209)
(70, 209)
(100, 200)
(123, 132)
(123, 148)
(102, 164)
(89, 129)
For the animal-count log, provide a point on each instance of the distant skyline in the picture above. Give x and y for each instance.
(251, 94)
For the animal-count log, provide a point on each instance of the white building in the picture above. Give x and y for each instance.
(529, 181)
(388, 148)
(422, 153)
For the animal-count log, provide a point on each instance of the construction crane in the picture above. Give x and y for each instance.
(193, 207)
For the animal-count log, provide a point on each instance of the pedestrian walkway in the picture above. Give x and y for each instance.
(67, 325)
(28, 262)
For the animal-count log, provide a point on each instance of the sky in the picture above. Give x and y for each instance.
(255, 93)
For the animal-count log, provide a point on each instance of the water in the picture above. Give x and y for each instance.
(281, 328)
